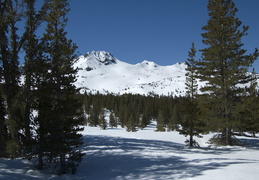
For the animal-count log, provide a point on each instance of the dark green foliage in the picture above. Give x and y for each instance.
(160, 122)
(191, 75)
(144, 121)
(12, 148)
(32, 51)
(175, 118)
(131, 124)
(113, 120)
(143, 109)
(63, 112)
(3, 128)
(248, 116)
(10, 45)
(191, 124)
(74, 158)
(86, 103)
(224, 65)
(102, 120)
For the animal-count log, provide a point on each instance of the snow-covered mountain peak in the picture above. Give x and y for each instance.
(180, 66)
(102, 56)
(100, 71)
(147, 63)
(95, 60)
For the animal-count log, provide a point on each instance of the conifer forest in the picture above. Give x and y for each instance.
(42, 112)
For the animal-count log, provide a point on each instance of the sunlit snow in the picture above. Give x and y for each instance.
(100, 71)
(116, 154)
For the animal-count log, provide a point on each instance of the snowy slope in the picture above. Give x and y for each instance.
(116, 154)
(101, 71)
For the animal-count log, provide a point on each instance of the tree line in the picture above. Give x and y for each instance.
(184, 114)
(228, 101)
(130, 111)
(40, 110)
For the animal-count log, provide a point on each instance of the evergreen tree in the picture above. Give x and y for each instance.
(131, 124)
(43, 104)
(96, 111)
(3, 54)
(3, 127)
(144, 121)
(113, 121)
(91, 121)
(65, 114)
(172, 124)
(191, 125)
(224, 65)
(10, 45)
(176, 117)
(160, 122)
(191, 80)
(248, 110)
(102, 120)
(86, 104)
(31, 48)
(123, 115)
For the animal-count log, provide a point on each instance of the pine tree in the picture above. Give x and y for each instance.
(191, 125)
(224, 65)
(160, 122)
(31, 48)
(123, 115)
(176, 118)
(65, 114)
(131, 124)
(191, 80)
(144, 121)
(86, 104)
(10, 45)
(96, 111)
(248, 110)
(113, 121)
(43, 104)
(172, 125)
(102, 120)
(3, 54)
(3, 127)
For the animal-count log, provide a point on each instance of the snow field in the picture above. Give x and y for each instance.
(115, 154)
(162, 155)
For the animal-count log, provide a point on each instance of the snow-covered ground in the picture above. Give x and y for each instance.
(115, 154)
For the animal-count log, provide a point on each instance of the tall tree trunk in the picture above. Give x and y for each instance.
(40, 160)
(62, 163)
(3, 130)
(191, 140)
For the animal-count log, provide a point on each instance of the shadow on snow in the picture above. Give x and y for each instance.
(115, 158)
(123, 158)
(251, 143)
(19, 169)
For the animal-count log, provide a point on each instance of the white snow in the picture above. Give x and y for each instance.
(101, 71)
(116, 154)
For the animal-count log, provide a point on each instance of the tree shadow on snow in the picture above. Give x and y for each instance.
(18, 169)
(123, 158)
(251, 143)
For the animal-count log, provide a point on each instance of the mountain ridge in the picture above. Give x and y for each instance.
(100, 71)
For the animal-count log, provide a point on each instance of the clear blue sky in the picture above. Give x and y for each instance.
(156, 30)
